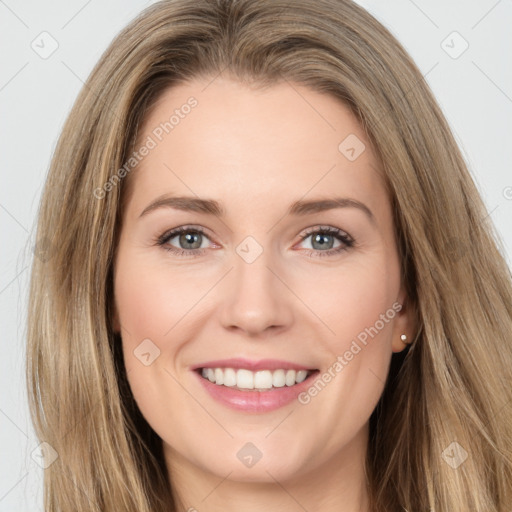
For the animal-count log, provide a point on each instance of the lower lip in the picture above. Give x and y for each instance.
(255, 401)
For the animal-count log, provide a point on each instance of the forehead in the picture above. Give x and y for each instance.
(245, 145)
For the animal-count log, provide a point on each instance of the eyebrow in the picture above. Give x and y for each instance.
(212, 207)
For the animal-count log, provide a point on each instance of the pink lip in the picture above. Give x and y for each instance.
(254, 401)
(262, 364)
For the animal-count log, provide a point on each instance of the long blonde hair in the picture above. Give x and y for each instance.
(452, 386)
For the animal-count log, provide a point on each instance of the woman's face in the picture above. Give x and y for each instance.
(294, 268)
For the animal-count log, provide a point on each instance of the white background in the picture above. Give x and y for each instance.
(474, 91)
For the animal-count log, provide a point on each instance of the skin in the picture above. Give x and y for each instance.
(257, 151)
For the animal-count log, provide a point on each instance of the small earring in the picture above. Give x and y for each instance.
(403, 337)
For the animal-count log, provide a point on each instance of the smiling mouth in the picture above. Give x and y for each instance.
(261, 380)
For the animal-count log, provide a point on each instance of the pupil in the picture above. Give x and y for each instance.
(189, 239)
(321, 239)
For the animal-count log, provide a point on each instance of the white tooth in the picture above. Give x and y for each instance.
(301, 375)
(229, 377)
(263, 379)
(278, 378)
(245, 379)
(219, 376)
(290, 378)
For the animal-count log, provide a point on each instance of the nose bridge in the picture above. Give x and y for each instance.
(256, 299)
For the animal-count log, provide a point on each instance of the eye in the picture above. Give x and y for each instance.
(323, 239)
(189, 240)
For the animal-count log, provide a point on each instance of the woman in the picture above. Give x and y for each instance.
(249, 371)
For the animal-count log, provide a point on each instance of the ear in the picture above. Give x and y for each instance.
(404, 323)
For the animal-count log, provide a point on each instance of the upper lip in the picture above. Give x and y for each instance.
(260, 364)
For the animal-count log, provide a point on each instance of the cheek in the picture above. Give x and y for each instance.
(356, 304)
(159, 313)
(355, 301)
(151, 308)
(150, 301)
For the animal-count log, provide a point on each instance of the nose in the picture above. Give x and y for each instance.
(257, 300)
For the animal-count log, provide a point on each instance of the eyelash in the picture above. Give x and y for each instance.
(342, 236)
